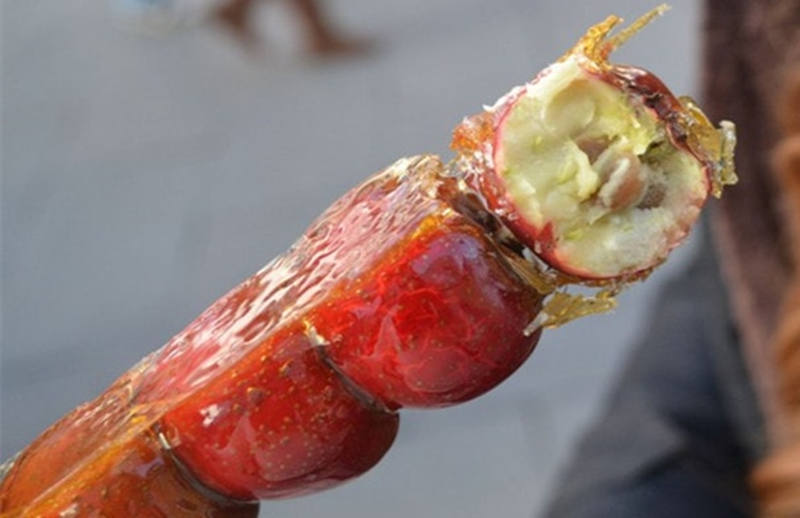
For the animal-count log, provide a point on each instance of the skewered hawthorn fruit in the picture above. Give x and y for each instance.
(425, 286)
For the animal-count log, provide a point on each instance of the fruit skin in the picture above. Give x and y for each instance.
(440, 323)
(409, 312)
(282, 423)
(99, 461)
(397, 295)
(477, 141)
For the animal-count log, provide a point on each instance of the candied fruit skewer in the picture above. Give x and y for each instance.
(425, 286)
(274, 415)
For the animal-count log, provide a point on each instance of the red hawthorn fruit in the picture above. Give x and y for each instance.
(417, 288)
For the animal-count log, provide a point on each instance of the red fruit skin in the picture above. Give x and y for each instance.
(282, 423)
(482, 133)
(249, 399)
(300, 412)
(440, 322)
(103, 460)
(395, 296)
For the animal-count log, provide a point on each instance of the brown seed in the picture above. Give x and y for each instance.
(623, 181)
(592, 147)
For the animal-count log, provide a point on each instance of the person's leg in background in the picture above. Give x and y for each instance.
(322, 38)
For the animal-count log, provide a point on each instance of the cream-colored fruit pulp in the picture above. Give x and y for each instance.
(552, 178)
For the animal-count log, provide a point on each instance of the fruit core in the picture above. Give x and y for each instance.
(592, 174)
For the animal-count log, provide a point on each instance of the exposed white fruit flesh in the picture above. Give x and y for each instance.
(581, 155)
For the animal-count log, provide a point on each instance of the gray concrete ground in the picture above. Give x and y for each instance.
(142, 178)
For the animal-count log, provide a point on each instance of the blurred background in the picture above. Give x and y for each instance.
(144, 176)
